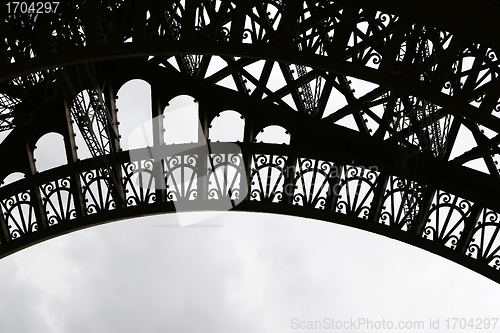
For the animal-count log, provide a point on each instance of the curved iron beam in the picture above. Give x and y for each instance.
(362, 198)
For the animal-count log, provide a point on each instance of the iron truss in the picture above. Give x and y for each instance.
(391, 172)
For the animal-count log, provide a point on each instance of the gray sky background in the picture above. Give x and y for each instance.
(236, 272)
(253, 274)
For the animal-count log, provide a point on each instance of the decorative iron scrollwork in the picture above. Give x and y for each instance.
(181, 177)
(356, 190)
(97, 194)
(139, 182)
(225, 177)
(447, 219)
(312, 182)
(57, 200)
(19, 214)
(401, 203)
(267, 177)
(485, 243)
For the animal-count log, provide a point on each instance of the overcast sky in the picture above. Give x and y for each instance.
(236, 272)
(252, 273)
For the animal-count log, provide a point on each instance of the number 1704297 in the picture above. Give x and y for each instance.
(16, 7)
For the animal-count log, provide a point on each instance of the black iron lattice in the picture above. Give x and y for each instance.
(390, 173)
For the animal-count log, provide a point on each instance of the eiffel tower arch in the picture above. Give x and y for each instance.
(388, 112)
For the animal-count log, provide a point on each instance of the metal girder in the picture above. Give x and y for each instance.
(319, 25)
(91, 114)
(455, 106)
(377, 208)
(7, 105)
(474, 19)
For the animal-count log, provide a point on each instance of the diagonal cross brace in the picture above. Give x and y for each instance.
(85, 115)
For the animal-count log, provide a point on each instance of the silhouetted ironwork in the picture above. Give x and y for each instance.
(408, 79)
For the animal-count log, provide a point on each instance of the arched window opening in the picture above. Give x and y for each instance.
(181, 122)
(273, 134)
(50, 152)
(228, 126)
(13, 177)
(134, 115)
